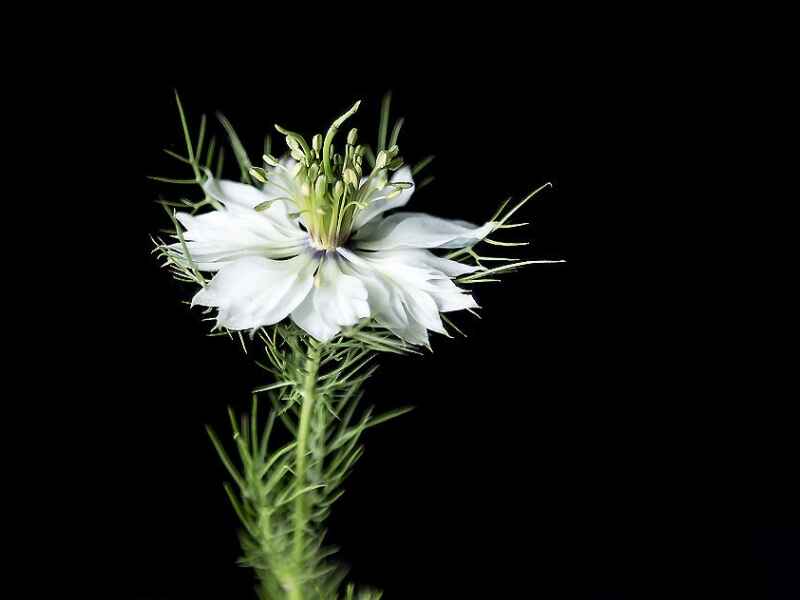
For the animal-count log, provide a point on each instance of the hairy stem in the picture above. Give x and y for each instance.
(300, 517)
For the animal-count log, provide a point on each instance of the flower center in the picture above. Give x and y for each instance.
(331, 188)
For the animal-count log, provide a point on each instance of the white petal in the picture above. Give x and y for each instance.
(388, 303)
(384, 298)
(237, 196)
(233, 192)
(382, 204)
(422, 308)
(414, 333)
(282, 186)
(418, 230)
(218, 237)
(428, 259)
(407, 291)
(337, 300)
(307, 318)
(255, 291)
(448, 295)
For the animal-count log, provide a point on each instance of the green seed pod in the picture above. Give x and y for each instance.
(382, 159)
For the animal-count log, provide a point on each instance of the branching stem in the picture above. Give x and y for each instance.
(300, 518)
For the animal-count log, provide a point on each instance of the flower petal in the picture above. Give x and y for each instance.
(407, 291)
(385, 299)
(254, 291)
(217, 237)
(233, 192)
(236, 196)
(307, 318)
(449, 297)
(380, 204)
(337, 300)
(418, 230)
(282, 186)
(428, 259)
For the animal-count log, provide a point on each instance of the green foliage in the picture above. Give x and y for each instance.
(284, 494)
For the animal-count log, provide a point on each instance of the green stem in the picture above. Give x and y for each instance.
(300, 517)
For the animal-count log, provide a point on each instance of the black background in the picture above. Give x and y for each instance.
(568, 448)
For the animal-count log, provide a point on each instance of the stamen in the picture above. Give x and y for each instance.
(332, 187)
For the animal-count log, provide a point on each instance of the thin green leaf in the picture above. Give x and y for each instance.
(383, 124)
(187, 138)
(225, 459)
(422, 164)
(238, 149)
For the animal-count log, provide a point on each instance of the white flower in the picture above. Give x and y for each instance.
(275, 254)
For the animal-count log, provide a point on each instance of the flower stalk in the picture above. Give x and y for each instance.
(300, 503)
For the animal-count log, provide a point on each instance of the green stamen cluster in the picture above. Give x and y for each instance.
(332, 187)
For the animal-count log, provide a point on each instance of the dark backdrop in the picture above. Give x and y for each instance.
(561, 451)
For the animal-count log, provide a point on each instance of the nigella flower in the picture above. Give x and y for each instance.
(316, 244)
